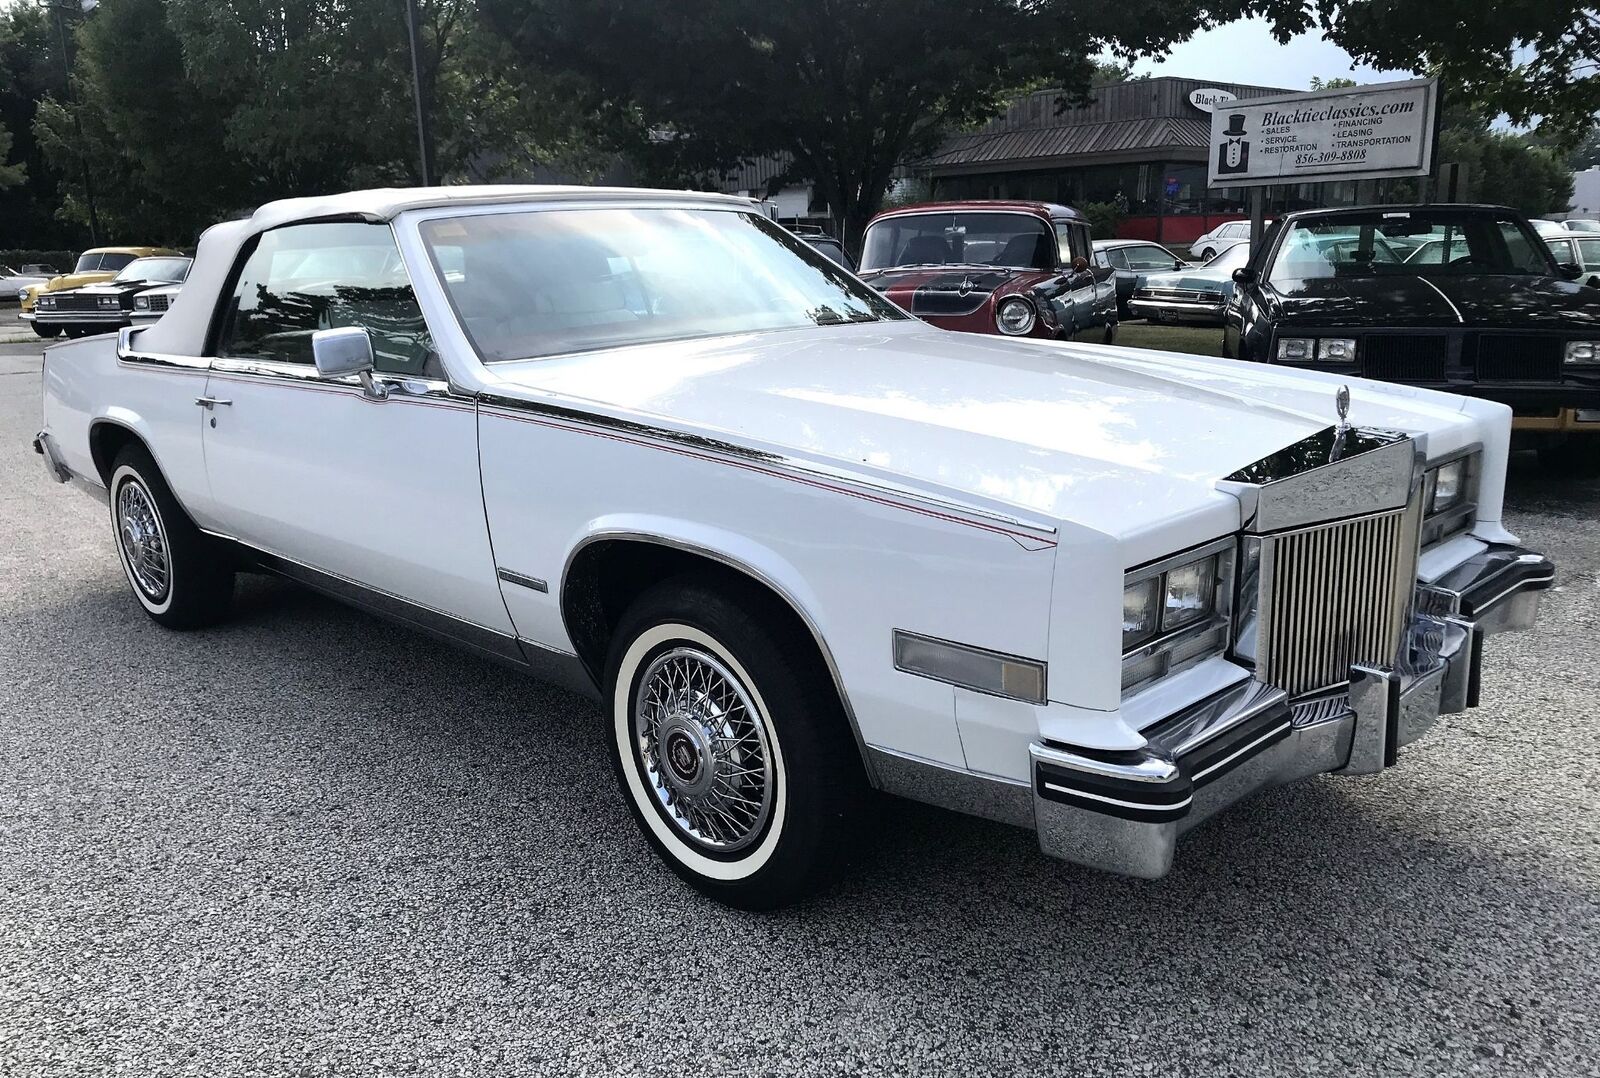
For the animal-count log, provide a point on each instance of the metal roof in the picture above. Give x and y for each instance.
(1075, 140)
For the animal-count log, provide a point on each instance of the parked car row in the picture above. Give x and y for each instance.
(74, 304)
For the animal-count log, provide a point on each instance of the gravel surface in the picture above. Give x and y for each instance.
(310, 843)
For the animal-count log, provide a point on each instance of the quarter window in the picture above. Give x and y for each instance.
(305, 278)
(1149, 258)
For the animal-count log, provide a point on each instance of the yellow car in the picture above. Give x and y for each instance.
(94, 265)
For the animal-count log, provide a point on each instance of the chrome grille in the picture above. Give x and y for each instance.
(1335, 595)
(159, 303)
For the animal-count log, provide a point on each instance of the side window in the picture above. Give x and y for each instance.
(1117, 258)
(1589, 252)
(1525, 256)
(304, 278)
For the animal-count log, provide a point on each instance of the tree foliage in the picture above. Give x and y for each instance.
(846, 89)
(1529, 59)
(189, 111)
(30, 68)
(11, 175)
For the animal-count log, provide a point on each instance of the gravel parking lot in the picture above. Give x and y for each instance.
(310, 843)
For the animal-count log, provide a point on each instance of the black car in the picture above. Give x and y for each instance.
(100, 308)
(1130, 261)
(1493, 315)
(827, 245)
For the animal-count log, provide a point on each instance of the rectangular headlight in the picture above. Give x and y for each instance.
(970, 667)
(141, 303)
(1297, 349)
(1337, 349)
(1583, 353)
(1449, 486)
(1170, 613)
(110, 301)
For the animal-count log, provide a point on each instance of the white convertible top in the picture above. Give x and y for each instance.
(182, 330)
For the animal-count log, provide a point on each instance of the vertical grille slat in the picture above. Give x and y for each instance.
(1338, 597)
(1510, 357)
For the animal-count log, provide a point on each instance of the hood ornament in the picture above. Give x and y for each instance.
(1341, 404)
(966, 284)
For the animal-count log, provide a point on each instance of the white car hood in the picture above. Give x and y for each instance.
(1126, 442)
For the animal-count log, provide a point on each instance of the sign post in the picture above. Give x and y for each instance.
(1360, 133)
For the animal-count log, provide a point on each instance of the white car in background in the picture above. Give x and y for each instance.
(1222, 237)
(1581, 224)
(152, 303)
(13, 281)
(1548, 229)
(653, 447)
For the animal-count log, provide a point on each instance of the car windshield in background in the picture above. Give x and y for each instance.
(1231, 259)
(1428, 244)
(165, 270)
(1016, 240)
(539, 283)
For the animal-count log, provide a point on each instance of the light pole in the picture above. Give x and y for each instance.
(416, 94)
(82, 8)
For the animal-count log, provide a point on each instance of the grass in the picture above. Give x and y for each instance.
(1197, 340)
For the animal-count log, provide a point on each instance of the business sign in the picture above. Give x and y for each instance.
(1360, 133)
(1206, 100)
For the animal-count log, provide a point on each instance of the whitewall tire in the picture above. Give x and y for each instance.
(728, 742)
(180, 577)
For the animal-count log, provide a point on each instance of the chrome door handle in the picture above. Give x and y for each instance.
(210, 402)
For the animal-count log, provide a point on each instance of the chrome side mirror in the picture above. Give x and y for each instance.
(339, 353)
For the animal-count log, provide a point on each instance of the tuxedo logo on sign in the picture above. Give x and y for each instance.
(1233, 152)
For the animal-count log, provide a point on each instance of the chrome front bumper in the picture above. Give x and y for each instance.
(73, 318)
(1123, 811)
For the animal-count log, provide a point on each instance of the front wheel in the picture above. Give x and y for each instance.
(729, 742)
(1208, 254)
(178, 574)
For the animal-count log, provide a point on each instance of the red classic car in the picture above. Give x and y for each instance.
(1024, 269)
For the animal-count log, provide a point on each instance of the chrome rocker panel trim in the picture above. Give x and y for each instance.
(1123, 812)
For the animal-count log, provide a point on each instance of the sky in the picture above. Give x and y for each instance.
(1246, 52)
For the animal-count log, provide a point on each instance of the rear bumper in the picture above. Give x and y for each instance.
(1123, 812)
(1185, 309)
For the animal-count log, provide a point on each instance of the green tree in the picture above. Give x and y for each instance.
(847, 91)
(1533, 60)
(30, 69)
(12, 175)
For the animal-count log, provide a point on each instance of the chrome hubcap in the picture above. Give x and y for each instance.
(144, 542)
(704, 750)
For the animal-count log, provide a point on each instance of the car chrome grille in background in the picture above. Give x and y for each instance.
(77, 303)
(1405, 357)
(159, 303)
(1187, 295)
(1508, 357)
(1335, 595)
(949, 303)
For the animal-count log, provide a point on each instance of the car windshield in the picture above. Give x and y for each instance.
(1231, 259)
(1431, 243)
(166, 270)
(533, 283)
(1017, 240)
(1583, 226)
(88, 262)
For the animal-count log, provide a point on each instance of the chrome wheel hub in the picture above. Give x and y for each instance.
(704, 750)
(144, 541)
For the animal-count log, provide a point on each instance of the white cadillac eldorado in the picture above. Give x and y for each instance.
(652, 447)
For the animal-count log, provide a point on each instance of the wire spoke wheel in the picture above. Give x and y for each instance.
(144, 541)
(704, 749)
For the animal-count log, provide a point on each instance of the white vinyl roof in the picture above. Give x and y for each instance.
(182, 330)
(385, 203)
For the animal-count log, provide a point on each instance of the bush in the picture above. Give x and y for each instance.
(61, 260)
(1103, 218)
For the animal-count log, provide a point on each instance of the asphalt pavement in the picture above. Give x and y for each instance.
(311, 843)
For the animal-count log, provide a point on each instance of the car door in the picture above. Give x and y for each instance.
(378, 499)
(1091, 292)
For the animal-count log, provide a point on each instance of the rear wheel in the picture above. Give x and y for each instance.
(729, 742)
(1208, 254)
(1111, 333)
(179, 575)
